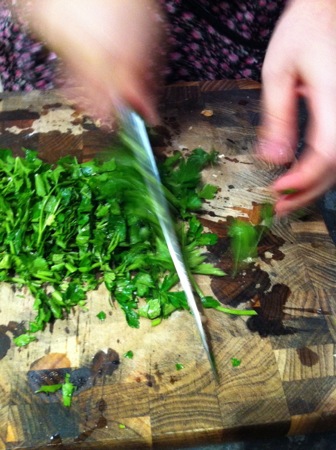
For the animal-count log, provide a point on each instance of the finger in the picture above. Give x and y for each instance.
(133, 89)
(315, 172)
(321, 131)
(309, 178)
(99, 96)
(278, 134)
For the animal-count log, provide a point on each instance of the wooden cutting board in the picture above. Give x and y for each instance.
(285, 383)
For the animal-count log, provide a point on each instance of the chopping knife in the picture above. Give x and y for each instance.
(135, 135)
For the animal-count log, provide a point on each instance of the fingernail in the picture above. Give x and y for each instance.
(274, 151)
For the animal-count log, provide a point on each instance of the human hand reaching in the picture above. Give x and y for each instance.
(109, 47)
(301, 61)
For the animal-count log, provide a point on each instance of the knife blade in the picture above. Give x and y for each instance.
(136, 137)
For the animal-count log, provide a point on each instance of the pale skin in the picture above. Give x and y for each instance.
(107, 46)
(111, 47)
(301, 61)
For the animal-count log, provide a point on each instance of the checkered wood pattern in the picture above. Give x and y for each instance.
(286, 381)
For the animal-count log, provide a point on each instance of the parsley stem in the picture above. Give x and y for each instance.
(237, 312)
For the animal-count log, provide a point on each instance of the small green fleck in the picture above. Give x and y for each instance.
(122, 426)
(289, 191)
(101, 315)
(235, 362)
(179, 366)
(129, 354)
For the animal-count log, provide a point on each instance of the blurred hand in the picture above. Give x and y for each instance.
(301, 61)
(108, 46)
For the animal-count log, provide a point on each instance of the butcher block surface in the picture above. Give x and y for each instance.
(285, 383)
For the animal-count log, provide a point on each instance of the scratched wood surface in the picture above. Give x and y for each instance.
(286, 381)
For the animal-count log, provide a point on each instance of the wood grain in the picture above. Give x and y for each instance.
(285, 383)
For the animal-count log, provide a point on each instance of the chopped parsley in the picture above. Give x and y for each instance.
(101, 315)
(67, 228)
(129, 354)
(235, 362)
(67, 389)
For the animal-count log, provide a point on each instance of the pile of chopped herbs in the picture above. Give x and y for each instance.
(68, 227)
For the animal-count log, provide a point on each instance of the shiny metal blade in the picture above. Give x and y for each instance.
(137, 137)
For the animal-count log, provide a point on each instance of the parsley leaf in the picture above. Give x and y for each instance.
(67, 391)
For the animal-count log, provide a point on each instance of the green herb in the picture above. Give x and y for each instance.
(122, 426)
(49, 388)
(129, 354)
(210, 302)
(245, 237)
(156, 322)
(289, 191)
(183, 177)
(67, 391)
(235, 362)
(101, 315)
(179, 366)
(67, 228)
(266, 216)
(152, 309)
(208, 192)
(24, 339)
